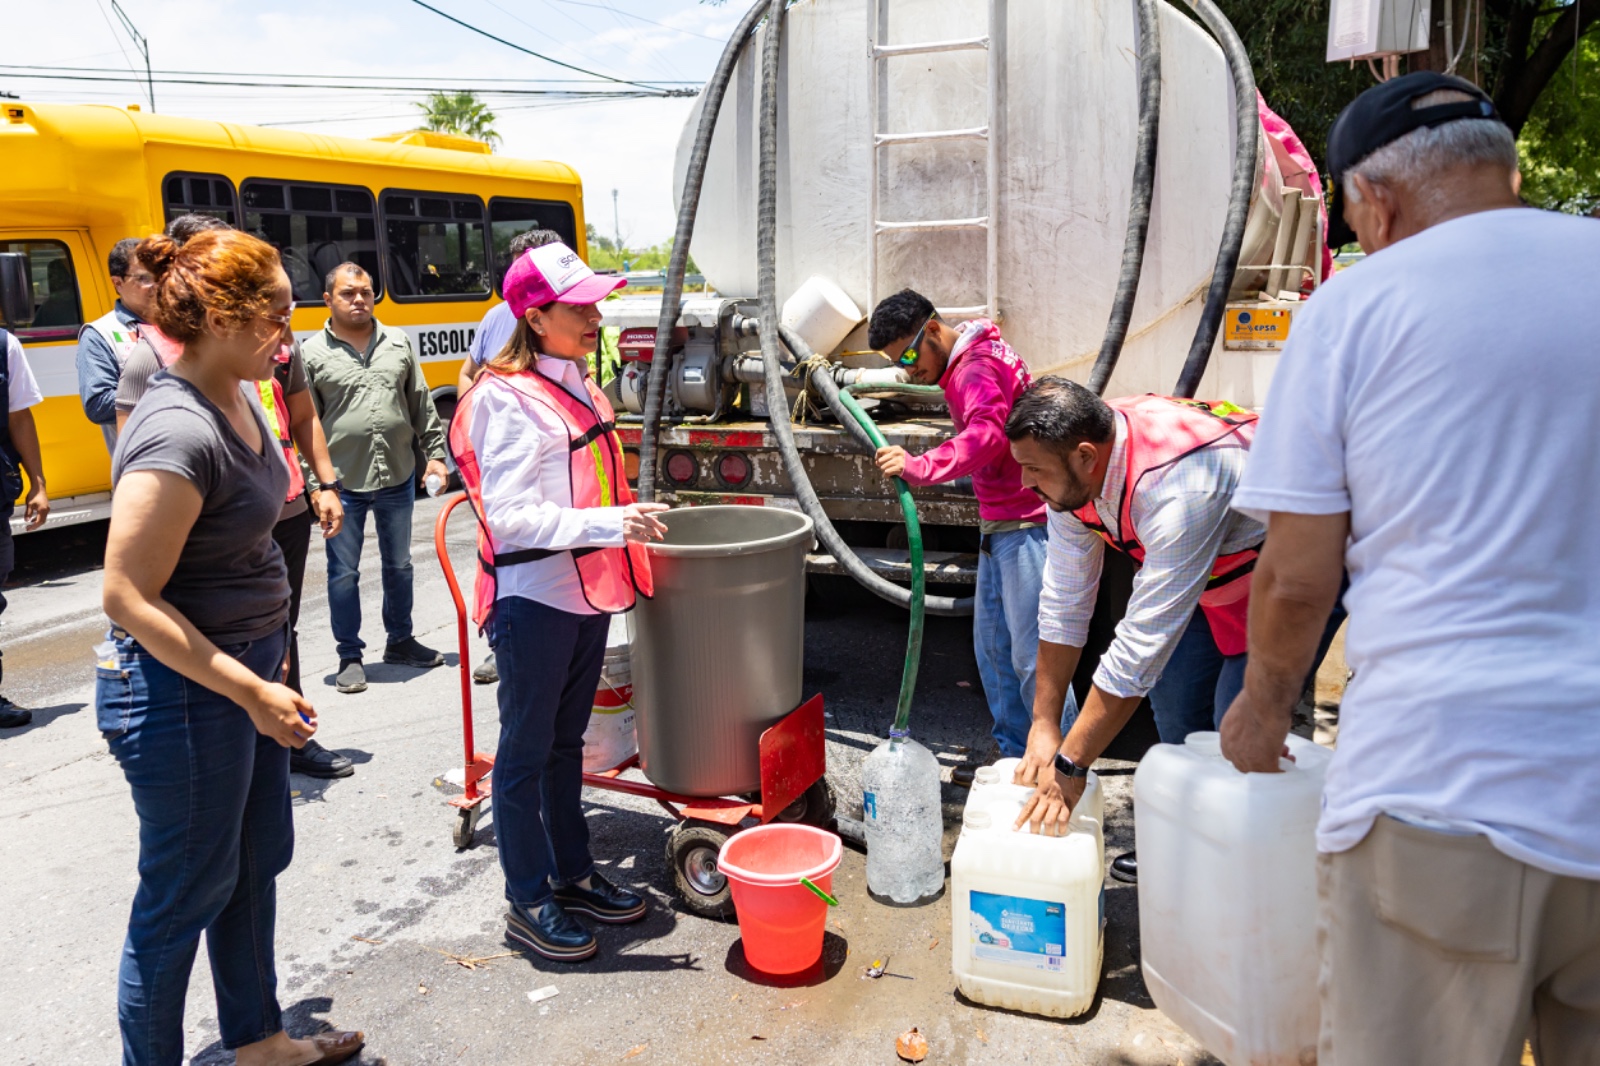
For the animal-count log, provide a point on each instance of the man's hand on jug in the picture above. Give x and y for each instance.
(1038, 760)
(640, 524)
(891, 460)
(1049, 809)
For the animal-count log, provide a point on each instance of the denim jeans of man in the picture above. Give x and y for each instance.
(1005, 633)
(1200, 683)
(549, 662)
(215, 831)
(391, 514)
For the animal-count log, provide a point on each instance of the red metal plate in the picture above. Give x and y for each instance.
(794, 756)
(726, 438)
(629, 434)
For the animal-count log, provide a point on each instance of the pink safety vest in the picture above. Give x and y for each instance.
(1161, 431)
(612, 578)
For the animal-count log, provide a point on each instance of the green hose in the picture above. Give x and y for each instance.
(919, 579)
(927, 392)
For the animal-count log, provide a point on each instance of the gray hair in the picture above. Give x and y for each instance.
(1416, 160)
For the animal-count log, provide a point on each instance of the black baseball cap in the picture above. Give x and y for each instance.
(1382, 115)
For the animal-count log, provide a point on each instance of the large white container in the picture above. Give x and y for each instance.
(1228, 898)
(1065, 124)
(1027, 912)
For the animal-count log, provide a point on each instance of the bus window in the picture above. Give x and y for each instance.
(435, 246)
(199, 194)
(57, 313)
(314, 228)
(507, 218)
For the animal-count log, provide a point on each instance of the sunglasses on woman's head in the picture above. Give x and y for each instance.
(910, 356)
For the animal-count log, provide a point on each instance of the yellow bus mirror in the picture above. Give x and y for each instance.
(16, 291)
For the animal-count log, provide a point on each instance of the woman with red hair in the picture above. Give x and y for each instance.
(189, 689)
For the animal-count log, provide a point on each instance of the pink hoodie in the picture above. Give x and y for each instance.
(981, 382)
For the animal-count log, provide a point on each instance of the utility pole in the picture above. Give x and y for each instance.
(616, 224)
(144, 49)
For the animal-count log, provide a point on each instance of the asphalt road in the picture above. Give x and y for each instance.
(378, 900)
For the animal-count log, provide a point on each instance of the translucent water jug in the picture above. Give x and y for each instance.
(1228, 898)
(904, 820)
(1027, 912)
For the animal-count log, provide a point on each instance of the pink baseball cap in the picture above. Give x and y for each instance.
(554, 273)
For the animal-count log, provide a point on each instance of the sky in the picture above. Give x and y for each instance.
(627, 145)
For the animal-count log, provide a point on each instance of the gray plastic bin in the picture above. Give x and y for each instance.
(718, 653)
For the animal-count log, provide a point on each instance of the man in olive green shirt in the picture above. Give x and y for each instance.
(376, 411)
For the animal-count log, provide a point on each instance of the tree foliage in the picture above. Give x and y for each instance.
(605, 255)
(461, 113)
(1521, 51)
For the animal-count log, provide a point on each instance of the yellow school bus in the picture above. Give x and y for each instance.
(428, 215)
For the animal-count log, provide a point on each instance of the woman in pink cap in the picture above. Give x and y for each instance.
(561, 549)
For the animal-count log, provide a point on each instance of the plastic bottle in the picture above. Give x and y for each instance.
(434, 483)
(904, 821)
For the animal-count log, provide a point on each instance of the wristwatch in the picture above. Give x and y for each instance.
(335, 486)
(1067, 768)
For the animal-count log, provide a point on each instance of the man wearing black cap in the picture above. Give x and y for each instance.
(1431, 426)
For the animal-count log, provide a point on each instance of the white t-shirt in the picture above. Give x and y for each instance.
(1446, 393)
(525, 464)
(24, 391)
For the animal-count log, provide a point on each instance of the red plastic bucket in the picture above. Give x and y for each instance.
(780, 920)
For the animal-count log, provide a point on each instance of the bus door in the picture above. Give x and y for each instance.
(70, 288)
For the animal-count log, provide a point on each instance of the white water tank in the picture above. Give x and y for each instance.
(1228, 898)
(1065, 123)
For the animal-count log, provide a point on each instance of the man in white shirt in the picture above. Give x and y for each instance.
(1432, 428)
(19, 452)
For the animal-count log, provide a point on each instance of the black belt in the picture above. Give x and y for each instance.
(529, 555)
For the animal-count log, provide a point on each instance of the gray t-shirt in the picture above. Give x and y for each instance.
(230, 580)
(144, 364)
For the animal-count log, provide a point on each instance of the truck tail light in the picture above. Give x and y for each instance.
(681, 469)
(630, 465)
(733, 470)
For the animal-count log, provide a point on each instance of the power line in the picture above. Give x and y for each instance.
(119, 78)
(538, 55)
(373, 77)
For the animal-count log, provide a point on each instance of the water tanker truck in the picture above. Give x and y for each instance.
(1095, 176)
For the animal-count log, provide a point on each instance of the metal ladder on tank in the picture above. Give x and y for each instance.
(993, 44)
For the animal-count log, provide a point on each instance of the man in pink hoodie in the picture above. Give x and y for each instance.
(981, 377)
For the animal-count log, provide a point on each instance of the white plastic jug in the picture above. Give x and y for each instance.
(1027, 912)
(1228, 898)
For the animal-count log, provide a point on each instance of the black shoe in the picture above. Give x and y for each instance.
(409, 653)
(487, 672)
(1125, 868)
(602, 901)
(314, 760)
(351, 676)
(12, 716)
(550, 932)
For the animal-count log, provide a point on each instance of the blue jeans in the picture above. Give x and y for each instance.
(391, 512)
(215, 831)
(1199, 683)
(1005, 633)
(549, 663)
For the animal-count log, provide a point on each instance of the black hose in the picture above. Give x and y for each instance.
(672, 284)
(767, 295)
(1248, 120)
(1144, 181)
(822, 381)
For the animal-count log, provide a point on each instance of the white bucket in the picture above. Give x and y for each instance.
(609, 741)
(821, 313)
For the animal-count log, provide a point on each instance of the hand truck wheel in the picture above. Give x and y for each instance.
(466, 826)
(692, 850)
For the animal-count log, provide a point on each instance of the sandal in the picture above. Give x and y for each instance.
(336, 1046)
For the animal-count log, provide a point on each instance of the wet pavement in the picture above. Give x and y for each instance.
(384, 925)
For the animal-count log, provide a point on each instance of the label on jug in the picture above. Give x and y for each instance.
(869, 806)
(1030, 933)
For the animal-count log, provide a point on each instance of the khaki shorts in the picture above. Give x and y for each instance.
(1437, 950)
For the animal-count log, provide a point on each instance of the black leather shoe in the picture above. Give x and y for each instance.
(411, 652)
(314, 760)
(602, 901)
(1125, 868)
(549, 931)
(12, 716)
